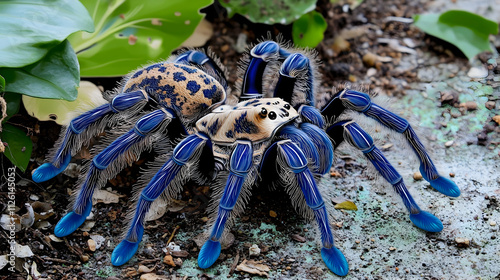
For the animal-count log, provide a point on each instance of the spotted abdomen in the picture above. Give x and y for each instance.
(188, 91)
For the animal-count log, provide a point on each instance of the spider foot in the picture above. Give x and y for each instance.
(335, 261)
(124, 252)
(71, 221)
(442, 184)
(209, 253)
(426, 221)
(48, 171)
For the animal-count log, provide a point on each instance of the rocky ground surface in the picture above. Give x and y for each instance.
(427, 81)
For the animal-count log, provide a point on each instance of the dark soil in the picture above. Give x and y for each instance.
(72, 258)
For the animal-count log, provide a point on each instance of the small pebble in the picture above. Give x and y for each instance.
(452, 175)
(92, 244)
(462, 242)
(448, 144)
(493, 223)
(417, 176)
(490, 105)
(392, 248)
(254, 250)
(497, 119)
(273, 214)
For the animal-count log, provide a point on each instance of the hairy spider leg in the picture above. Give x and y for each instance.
(351, 132)
(239, 165)
(260, 56)
(203, 62)
(106, 160)
(186, 151)
(361, 102)
(296, 161)
(84, 127)
(295, 66)
(314, 143)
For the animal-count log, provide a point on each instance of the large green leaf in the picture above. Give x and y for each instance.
(134, 32)
(2, 84)
(269, 11)
(19, 146)
(308, 30)
(55, 76)
(29, 28)
(467, 31)
(13, 101)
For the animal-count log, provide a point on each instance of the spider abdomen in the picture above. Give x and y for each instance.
(187, 90)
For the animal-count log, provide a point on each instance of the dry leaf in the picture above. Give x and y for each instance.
(105, 197)
(152, 276)
(253, 267)
(23, 251)
(144, 269)
(347, 205)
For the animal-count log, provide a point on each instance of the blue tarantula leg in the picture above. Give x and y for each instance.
(358, 138)
(260, 55)
(204, 62)
(97, 172)
(239, 166)
(361, 102)
(296, 66)
(313, 142)
(77, 132)
(187, 150)
(295, 160)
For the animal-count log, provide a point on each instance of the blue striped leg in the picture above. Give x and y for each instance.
(77, 132)
(260, 56)
(361, 102)
(296, 70)
(203, 62)
(357, 137)
(297, 162)
(313, 142)
(239, 165)
(97, 174)
(186, 151)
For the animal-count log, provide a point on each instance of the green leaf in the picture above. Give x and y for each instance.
(308, 30)
(13, 101)
(2, 84)
(347, 205)
(269, 11)
(467, 31)
(55, 76)
(30, 28)
(19, 146)
(132, 33)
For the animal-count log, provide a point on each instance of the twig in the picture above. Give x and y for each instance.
(235, 263)
(173, 233)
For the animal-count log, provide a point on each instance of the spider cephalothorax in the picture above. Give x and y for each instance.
(274, 134)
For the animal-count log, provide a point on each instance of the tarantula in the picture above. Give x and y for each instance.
(273, 135)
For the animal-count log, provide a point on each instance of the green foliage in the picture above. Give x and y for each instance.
(55, 76)
(13, 101)
(133, 32)
(269, 11)
(35, 58)
(19, 146)
(467, 31)
(2, 84)
(308, 30)
(30, 28)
